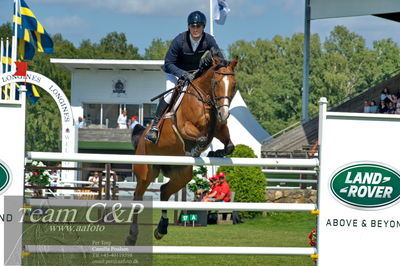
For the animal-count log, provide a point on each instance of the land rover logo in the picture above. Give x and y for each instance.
(4, 177)
(366, 185)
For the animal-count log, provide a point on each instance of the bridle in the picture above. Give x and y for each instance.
(211, 101)
(214, 83)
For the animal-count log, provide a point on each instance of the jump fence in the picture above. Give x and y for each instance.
(171, 205)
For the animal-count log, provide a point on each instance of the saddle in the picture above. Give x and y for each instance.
(176, 99)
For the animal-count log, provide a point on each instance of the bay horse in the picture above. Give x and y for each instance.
(201, 115)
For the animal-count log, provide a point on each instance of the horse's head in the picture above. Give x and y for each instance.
(222, 84)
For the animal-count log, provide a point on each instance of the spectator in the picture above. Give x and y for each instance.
(112, 175)
(393, 97)
(382, 109)
(81, 122)
(210, 196)
(134, 122)
(223, 190)
(366, 107)
(95, 178)
(373, 107)
(122, 120)
(55, 177)
(385, 95)
(398, 106)
(391, 109)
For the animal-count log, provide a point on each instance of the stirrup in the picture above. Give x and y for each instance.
(152, 135)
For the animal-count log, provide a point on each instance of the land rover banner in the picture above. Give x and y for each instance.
(359, 190)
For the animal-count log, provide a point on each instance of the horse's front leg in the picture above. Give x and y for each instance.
(148, 173)
(180, 176)
(192, 133)
(222, 134)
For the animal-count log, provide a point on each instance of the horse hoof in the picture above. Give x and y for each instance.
(157, 235)
(129, 241)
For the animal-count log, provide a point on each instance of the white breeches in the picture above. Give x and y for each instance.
(170, 82)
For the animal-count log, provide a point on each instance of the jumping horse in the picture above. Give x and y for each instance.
(201, 115)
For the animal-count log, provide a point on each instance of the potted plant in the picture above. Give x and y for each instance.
(199, 185)
(38, 177)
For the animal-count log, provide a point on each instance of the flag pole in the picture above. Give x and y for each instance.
(14, 45)
(1, 56)
(211, 19)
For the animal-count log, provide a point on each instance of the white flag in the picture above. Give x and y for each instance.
(220, 10)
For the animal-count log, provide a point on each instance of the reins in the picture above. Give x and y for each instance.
(213, 101)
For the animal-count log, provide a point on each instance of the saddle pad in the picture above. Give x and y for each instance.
(176, 104)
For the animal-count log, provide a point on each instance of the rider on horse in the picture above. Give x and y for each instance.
(183, 56)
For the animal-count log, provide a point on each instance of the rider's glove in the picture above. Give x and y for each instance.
(206, 60)
(186, 76)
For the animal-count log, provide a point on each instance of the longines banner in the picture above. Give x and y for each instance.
(49, 86)
(69, 133)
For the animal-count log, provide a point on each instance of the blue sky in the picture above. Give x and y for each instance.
(145, 20)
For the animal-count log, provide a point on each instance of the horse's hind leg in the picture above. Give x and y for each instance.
(180, 176)
(150, 172)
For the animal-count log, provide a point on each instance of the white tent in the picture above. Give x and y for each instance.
(243, 128)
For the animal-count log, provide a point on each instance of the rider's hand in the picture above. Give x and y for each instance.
(186, 76)
(206, 60)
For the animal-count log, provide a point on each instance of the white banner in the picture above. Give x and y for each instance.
(359, 189)
(347, 8)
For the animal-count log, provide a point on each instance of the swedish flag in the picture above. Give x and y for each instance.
(32, 92)
(31, 34)
(6, 61)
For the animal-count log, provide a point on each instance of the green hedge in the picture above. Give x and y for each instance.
(248, 183)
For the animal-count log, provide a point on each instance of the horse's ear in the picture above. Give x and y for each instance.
(233, 63)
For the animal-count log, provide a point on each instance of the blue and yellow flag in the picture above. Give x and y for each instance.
(32, 37)
(31, 34)
(6, 59)
(32, 92)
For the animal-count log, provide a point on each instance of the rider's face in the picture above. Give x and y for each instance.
(196, 31)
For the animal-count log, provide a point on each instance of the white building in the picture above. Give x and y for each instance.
(101, 88)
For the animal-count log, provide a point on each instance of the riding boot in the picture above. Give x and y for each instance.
(152, 134)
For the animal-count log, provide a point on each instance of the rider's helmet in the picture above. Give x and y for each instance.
(197, 18)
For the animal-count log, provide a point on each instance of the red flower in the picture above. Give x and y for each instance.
(35, 173)
(312, 236)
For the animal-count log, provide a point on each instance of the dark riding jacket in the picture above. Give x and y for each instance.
(181, 57)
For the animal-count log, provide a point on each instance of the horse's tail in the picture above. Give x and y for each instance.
(136, 133)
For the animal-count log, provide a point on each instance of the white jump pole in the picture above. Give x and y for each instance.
(178, 205)
(171, 160)
(199, 250)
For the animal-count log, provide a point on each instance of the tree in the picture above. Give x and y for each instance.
(157, 49)
(6, 31)
(115, 46)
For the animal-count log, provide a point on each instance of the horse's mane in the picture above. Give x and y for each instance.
(204, 66)
(222, 63)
